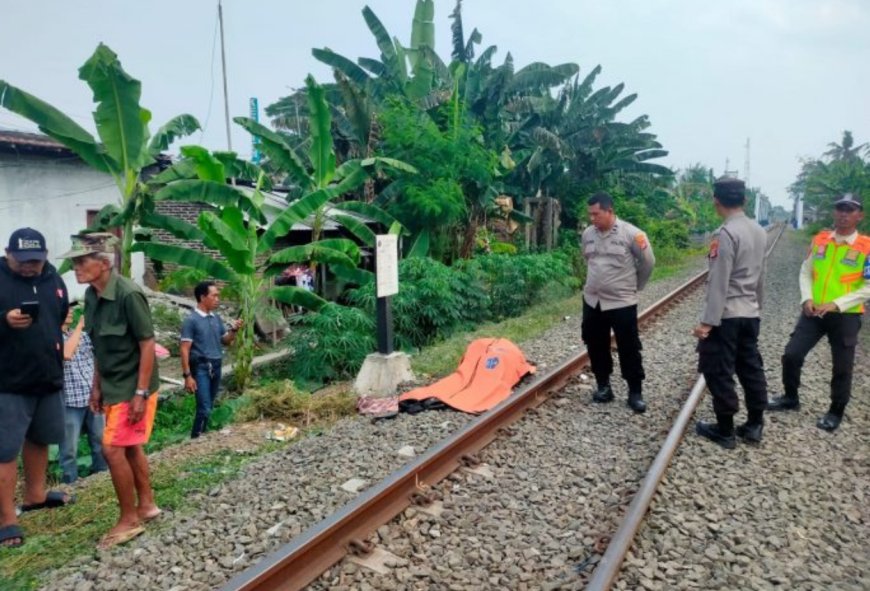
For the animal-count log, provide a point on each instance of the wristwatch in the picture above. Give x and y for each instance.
(143, 393)
(185, 375)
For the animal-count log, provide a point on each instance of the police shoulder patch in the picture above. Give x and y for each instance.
(714, 249)
(641, 241)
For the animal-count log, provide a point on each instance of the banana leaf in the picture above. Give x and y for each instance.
(297, 296)
(185, 257)
(279, 152)
(121, 122)
(342, 64)
(322, 153)
(55, 124)
(173, 129)
(175, 226)
(297, 211)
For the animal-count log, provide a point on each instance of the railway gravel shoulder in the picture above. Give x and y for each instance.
(791, 513)
(281, 494)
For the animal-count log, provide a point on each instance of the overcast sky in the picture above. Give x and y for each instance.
(791, 75)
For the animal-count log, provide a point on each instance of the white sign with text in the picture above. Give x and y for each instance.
(387, 264)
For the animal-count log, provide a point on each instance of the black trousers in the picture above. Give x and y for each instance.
(842, 332)
(732, 348)
(595, 332)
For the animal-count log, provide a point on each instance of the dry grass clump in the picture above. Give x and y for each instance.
(282, 400)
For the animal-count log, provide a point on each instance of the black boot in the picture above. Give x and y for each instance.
(636, 403)
(832, 419)
(714, 433)
(784, 403)
(750, 432)
(604, 393)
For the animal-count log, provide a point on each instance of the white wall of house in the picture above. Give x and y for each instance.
(53, 194)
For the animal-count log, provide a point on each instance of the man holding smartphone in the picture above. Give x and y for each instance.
(33, 305)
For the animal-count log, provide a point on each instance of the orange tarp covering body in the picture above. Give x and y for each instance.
(488, 371)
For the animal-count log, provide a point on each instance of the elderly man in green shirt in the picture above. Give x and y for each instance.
(118, 321)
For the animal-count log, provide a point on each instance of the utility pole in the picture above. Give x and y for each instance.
(224, 68)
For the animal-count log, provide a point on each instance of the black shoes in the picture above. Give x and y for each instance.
(636, 403)
(750, 432)
(784, 403)
(603, 394)
(829, 422)
(711, 431)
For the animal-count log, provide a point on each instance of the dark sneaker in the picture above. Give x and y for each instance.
(636, 403)
(603, 394)
(784, 403)
(829, 422)
(711, 431)
(750, 433)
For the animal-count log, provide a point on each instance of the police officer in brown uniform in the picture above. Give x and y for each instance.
(619, 260)
(728, 332)
(834, 284)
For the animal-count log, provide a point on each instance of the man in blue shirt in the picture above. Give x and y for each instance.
(202, 336)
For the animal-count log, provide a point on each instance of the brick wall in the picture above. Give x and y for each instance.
(189, 212)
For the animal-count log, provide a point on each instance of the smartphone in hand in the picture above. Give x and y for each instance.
(30, 308)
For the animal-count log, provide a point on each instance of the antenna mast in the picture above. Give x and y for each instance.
(224, 69)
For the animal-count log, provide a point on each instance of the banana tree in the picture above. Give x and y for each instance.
(235, 240)
(125, 145)
(320, 182)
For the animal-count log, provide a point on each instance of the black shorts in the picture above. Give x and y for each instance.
(35, 417)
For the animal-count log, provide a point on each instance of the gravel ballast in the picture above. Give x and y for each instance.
(557, 486)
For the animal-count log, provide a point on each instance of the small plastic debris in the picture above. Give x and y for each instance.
(282, 433)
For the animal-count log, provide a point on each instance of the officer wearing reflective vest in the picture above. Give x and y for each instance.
(834, 283)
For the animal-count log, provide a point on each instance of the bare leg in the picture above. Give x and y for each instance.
(125, 487)
(138, 461)
(35, 459)
(8, 479)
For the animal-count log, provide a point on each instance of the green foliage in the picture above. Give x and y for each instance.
(174, 419)
(124, 149)
(514, 283)
(455, 170)
(433, 302)
(843, 168)
(331, 344)
(166, 318)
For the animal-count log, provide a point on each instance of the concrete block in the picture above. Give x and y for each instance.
(381, 374)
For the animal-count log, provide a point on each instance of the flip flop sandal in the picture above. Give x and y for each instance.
(112, 540)
(11, 532)
(152, 517)
(53, 500)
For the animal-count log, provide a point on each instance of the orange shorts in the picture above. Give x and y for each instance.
(120, 432)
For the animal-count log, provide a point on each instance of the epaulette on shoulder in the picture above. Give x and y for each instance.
(862, 242)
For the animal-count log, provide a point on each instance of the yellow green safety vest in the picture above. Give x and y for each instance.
(839, 269)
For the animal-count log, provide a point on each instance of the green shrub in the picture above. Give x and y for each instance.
(331, 344)
(668, 234)
(515, 282)
(433, 302)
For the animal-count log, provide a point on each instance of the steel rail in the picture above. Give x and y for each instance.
(301, 561)
(305, 558)
(607, 570)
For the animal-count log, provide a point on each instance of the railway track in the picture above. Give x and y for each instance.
(310, 554)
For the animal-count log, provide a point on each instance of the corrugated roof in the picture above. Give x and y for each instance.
(31, 142)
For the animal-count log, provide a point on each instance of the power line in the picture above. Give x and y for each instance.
(211, 88)
(52, 197)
